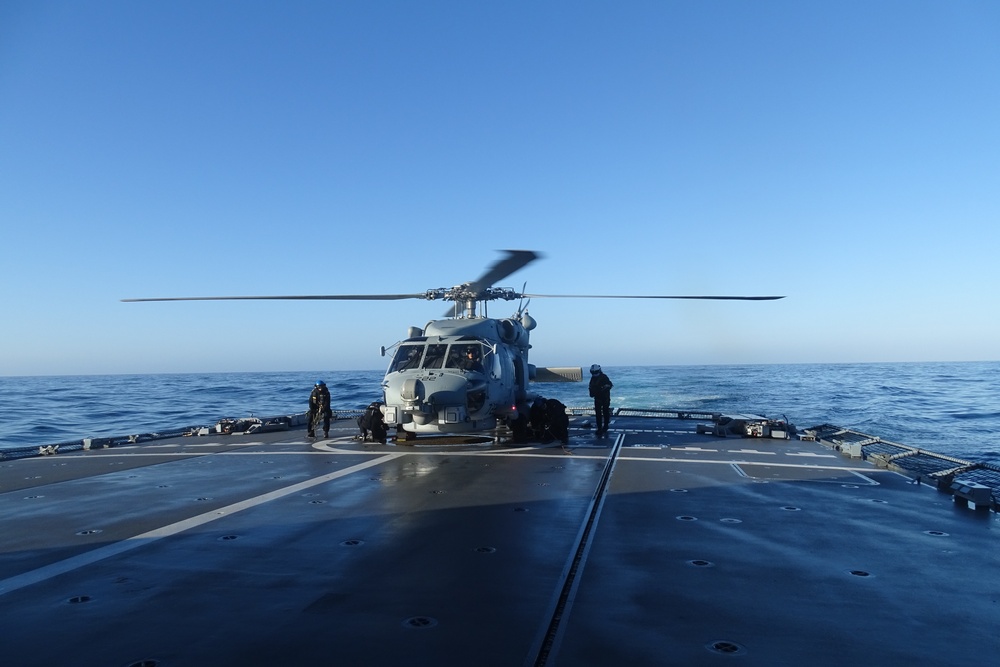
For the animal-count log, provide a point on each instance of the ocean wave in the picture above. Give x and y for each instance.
(976, 415)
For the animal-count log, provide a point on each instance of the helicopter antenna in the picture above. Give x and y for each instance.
(521, 304)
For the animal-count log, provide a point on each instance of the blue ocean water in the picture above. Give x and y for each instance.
(949, 408)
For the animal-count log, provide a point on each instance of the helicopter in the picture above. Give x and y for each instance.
(466, 372)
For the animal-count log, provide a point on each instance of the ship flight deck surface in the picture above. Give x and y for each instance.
(654, 545)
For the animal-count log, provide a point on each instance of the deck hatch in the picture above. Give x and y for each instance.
(726, 648)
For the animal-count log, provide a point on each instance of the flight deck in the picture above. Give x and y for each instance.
(662, 543)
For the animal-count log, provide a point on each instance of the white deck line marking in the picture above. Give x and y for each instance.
(868, 480)
(577, 451)
(75, 562)
(772, 464)
(198, 455)
(751, 451)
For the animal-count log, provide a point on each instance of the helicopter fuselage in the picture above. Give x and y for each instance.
(459, 375)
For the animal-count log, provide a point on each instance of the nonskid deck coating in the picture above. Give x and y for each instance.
(278, 548)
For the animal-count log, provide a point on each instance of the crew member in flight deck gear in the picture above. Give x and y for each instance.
(538, 418)
(600, 389)
(319, 406)
(373, 421)
(558, 421)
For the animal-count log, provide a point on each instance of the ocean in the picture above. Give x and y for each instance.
(950, 408)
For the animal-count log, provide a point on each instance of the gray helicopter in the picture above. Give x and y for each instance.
(467, 372)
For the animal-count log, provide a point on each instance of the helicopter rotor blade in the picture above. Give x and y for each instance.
(431, 295)
(514, 260)
(651, 296)
(319, 297)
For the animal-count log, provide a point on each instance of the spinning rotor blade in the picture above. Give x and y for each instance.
(514, 260)
(326, 297)
(466, 294)
(650, 296)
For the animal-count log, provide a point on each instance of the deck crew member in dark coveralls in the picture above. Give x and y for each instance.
(600, 389)
(319, 406)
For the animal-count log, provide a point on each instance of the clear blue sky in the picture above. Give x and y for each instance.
(846, 154)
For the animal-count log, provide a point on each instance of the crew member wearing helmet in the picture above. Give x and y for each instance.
(319, 406)
(600, 390)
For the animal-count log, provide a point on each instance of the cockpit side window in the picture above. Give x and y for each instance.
(406, 358)
(434, 357)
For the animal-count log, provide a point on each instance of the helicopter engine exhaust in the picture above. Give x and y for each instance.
(512, 332)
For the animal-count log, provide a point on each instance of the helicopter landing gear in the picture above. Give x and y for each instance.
(404, 437)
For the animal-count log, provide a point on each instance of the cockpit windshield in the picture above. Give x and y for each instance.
(407, 358)
(434, 358)
(463, 356)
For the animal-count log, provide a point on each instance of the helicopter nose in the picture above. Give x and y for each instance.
(446, 398)
(412, 390)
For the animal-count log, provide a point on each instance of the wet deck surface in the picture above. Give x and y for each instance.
(278, 549)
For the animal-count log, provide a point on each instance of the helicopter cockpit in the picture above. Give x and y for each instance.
(448, 383)
(465, 354)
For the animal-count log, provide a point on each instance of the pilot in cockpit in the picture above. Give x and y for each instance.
(472, 360)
